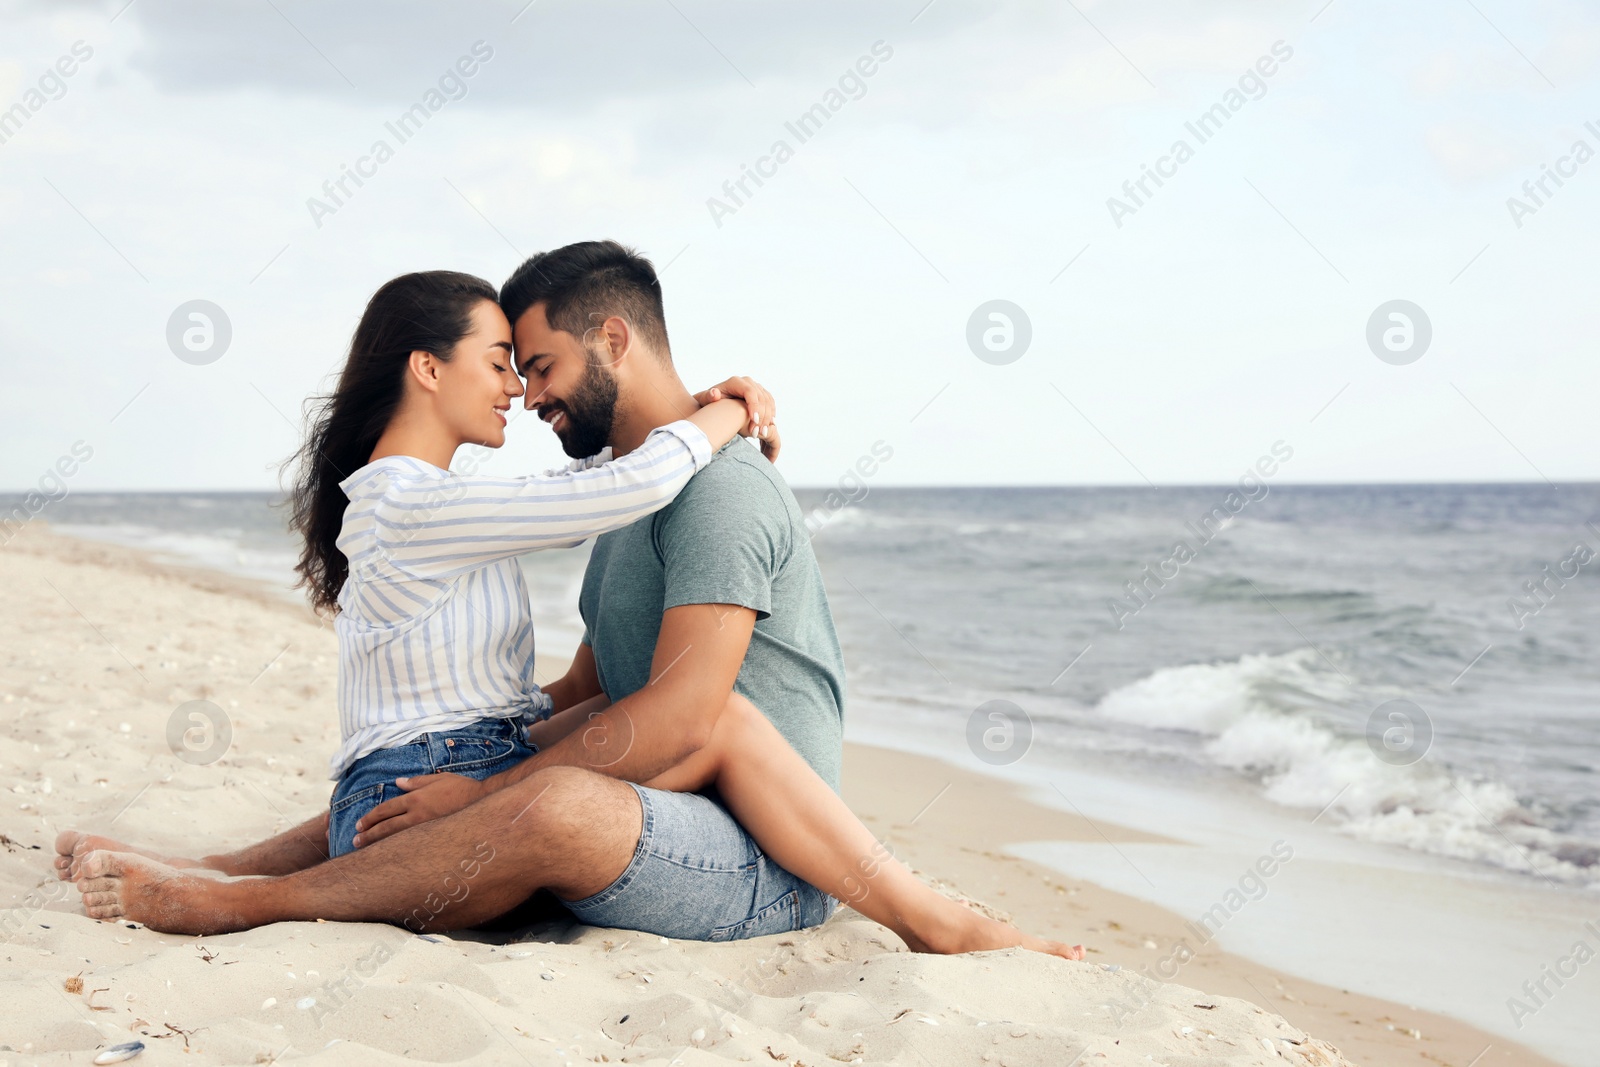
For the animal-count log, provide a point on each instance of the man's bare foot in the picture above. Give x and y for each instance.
(123, 885)
(960, 929)
(71, 845)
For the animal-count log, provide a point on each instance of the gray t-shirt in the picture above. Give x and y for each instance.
(735, 535)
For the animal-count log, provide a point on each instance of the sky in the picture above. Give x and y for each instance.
(1349, 252)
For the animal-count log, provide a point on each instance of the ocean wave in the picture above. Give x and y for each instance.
(1271, 719)
(218, 548)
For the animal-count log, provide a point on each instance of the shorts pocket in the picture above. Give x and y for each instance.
(371, 796)
(345, 812)
(463, 754)
(779, 917)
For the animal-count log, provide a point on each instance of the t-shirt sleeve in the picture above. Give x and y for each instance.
(723, 541)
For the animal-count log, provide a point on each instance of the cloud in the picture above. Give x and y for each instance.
(563, 55)
(1467, 153)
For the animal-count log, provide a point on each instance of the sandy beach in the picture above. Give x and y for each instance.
(106, 645)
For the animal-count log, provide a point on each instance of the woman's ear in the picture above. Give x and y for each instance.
(424, 370)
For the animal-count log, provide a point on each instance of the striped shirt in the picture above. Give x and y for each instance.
(434, 626)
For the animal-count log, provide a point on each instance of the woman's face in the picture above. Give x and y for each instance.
(478, 384)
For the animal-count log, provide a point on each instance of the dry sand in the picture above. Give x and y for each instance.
(103, 645)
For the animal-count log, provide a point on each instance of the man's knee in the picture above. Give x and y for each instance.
(582, 826)
(557, 803)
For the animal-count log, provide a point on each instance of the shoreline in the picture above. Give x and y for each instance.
(952, 840)
(956, 834)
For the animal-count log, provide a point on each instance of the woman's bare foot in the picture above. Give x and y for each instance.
(124, 885)
(960, 929)
(71, 845)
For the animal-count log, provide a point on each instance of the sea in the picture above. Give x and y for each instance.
(1401, 680)
(1273, 654)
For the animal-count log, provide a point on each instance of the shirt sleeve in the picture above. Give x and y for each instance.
(719, 546)
(437, 529)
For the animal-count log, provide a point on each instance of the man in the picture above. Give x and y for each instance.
(719, 592)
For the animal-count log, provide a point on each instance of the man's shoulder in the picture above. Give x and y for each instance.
(738, 476)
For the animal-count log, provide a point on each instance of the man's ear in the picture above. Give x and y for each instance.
(618, 337)
(423, 367)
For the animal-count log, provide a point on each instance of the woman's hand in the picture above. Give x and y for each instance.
(770, 443)
(763, 409)
(427, 797)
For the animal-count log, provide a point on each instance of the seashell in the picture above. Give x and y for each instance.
(306, 1003)
(118, 1053)
(268, 1003)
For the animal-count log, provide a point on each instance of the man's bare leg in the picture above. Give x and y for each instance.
(296, 848)
(293, 850)
(809, 830)
(568, 830)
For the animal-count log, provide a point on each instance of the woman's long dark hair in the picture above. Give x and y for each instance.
(429, 312)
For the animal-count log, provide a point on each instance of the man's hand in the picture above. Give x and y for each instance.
(428, 797)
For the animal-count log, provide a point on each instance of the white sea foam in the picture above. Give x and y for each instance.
(1259, 717)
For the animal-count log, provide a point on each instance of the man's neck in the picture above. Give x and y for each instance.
(652, 400)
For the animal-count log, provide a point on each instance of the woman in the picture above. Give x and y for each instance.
(420, 567)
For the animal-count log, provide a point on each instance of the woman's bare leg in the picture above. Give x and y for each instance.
(293, 850)
(809, 830)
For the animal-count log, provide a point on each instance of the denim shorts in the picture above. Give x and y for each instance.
(477, 750)
(697, 876)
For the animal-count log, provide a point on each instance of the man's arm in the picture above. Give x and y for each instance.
(698, 655)
(697, 658)
(580, 682)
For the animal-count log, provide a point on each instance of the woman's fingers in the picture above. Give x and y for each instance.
(771, 443)
(760, 403)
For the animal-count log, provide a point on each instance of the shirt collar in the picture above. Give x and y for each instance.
(377, 466)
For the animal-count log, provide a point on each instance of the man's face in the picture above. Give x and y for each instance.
(568, 385)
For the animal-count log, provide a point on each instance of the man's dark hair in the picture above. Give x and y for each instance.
(583, 284)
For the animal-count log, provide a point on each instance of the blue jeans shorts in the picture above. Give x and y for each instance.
(477, 750)
(697, 876)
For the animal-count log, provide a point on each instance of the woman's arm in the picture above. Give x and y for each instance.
(763, 410)
(439, 528)
(721, 421)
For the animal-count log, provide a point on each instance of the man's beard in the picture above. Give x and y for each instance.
(590, 411)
